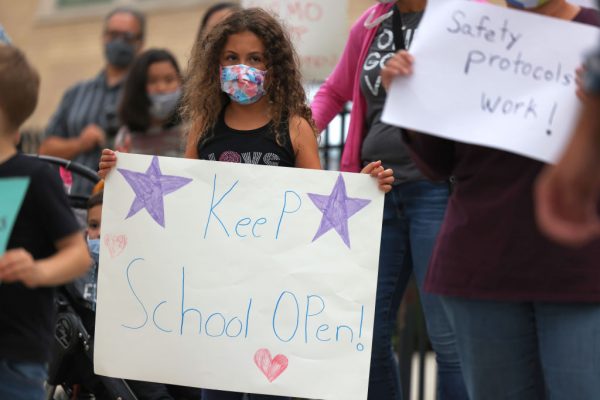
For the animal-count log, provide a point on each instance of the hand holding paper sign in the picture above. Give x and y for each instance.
(385, 177)
(250, 270)
(492, 76)
(399, 65)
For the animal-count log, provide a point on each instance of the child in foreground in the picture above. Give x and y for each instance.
(245, 102)
(45, 248)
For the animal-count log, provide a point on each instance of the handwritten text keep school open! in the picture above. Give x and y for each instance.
(310, 316)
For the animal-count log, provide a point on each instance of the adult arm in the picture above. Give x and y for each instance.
(337, 90)
(57, 141)
(568, 193)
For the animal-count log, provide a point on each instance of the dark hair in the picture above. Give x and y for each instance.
(19, 85)
(203, 98)
(135, 104)
(95, 200)
(213, 10)
(138, 15)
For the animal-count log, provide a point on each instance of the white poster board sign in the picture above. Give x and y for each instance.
(493, 76)
(318, 30)
(238, 277)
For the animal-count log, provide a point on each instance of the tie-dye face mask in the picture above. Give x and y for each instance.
(243, 84)
(527, 4)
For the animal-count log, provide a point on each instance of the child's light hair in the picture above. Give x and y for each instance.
(204, 100)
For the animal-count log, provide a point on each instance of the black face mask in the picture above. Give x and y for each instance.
(119, 53)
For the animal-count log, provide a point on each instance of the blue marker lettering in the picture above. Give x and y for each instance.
(211, 211)
(308, 314)
(248, 317)
(154, 317)
(260, 221)
(242, 222)
(322, 328)
(340, 327)
(136, 296)
(238, 332)
(284, 210)
(184, 310)
(208, 321)
(297, 316)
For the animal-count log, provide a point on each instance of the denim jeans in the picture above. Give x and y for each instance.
(22, 380)
(527, 351)
(208, 394)
(412, 216)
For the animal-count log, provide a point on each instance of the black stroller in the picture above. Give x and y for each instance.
(71, 365)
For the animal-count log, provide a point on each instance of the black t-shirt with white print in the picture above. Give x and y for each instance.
(257, 146)
(27, 315)
(384, 142)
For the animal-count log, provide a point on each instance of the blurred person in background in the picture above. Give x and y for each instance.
(86, 116)
(568, 194)
(148, 110)
(414, 208)
(215, 14)
(525, 310)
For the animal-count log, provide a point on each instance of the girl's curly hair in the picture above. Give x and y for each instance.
(203, 99)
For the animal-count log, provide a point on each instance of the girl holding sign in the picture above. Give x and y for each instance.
(525, 310)
(414, 208)
(244, 96)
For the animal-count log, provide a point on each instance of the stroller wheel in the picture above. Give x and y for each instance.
(66, 332)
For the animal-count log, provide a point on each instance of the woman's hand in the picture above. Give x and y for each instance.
(385, 177)
(401, 64)
(108, 160)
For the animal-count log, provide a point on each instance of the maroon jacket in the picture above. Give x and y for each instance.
(489, 246)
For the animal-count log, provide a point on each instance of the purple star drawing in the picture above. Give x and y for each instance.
(337, 208)
(150, 188)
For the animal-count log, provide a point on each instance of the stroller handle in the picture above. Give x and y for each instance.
(72, 166)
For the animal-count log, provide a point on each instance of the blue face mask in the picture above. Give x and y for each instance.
(527, 4)
(94, 248)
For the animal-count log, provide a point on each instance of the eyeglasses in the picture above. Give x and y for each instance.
(129, 37)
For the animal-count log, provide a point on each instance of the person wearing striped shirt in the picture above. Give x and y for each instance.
(87, 115)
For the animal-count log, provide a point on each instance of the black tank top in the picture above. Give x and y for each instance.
(256, 146)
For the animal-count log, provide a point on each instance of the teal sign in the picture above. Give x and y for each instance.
(12, 193)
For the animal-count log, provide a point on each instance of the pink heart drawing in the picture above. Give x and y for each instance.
(270, 367)
(115, 244)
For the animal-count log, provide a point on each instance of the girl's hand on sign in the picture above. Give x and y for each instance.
(385, 177)
(108, 160)
(399, 65)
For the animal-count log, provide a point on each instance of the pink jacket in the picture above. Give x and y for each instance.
(343, 85)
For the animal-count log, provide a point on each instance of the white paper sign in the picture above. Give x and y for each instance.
(238, 277)
(318, 30)
(492, 76)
